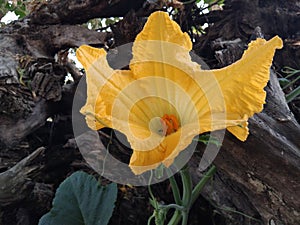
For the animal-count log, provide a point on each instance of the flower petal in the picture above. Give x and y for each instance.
(103, 85)
(164, 153)
(152, 97)
(96, 66)
(160, 27)
(243, 83)
(161, 40)
(139, 117)
(88, 55)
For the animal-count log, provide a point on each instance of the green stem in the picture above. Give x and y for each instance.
(175, 190)
(175, 218)
(185, 217)
(150, 219)
(187, 187)
(172, 206)
(149, 185)
(187, 193)
(197, 190)
(182, 215)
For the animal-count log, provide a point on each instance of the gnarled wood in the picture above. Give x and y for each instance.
(259, 177)
(74, 12)
(15, 183)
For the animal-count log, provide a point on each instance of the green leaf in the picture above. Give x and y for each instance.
(81, 200)
(20, 12)
(209, 1)
(283, 82)
(289, 71)
(208, 139)
(8, 6)
(292, 95)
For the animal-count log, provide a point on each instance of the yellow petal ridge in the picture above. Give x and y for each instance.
(97, 72)
(243, 82)
(164, 153)
(160, 27)
(87, 55)
(160, 40)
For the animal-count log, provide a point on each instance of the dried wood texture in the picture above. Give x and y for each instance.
(259, 178)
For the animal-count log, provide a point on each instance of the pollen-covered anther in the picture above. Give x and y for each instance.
(170, 124)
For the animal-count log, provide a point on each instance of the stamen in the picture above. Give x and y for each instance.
(170, 124)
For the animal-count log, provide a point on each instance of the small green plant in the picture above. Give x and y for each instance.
(292, 76)
(183, 203)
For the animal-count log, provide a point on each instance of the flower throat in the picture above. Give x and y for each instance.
(170, 124)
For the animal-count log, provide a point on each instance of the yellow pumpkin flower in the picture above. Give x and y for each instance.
(165, 99)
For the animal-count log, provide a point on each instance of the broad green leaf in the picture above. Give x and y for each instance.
(81, 200)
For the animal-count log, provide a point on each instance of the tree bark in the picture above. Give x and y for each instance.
(259, 178)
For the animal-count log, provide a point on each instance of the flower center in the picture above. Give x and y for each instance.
(170, 124)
